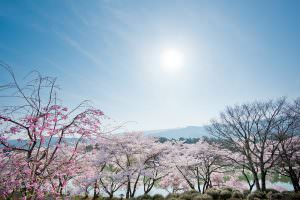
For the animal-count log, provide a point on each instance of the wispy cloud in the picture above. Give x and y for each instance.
(73, 43)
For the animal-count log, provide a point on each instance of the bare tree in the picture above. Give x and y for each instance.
(289, 148)
(253, 131)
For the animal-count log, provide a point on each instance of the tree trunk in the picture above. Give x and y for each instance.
(135, 185)
(61, 191)
(198, 180)
(149, 187)
(187, 180)
(203, 187)
(263, 181)
(257, 184)
(251, 185)
(95, 191)
(296, 185)
(294, 179)
(128, 188)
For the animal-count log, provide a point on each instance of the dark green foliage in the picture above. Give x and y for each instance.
(271, 190)
(286, 192)
(246, 192)
(163, 139)
(202, 197)
(144, 197)
(237, 194)
(257, 195)
(185, 140)
(290, 195)
(172, 196)
(225, 194)
(275, 196)
(191, 140)
(193, 192)
(158, 197)
(188, 196)
(228, 188)
(214, 193)
(107, 198)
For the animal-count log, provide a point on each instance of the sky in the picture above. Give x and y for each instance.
(112, 53)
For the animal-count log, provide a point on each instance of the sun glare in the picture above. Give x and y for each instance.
(172, 59)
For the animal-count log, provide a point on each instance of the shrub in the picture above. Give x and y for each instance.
(189, 195)
(272, 190)
(202, 197)
(172, 196)
(106, 198)
(227, 188)
(233, 198)
(186, 196)
(287, 192)
(192, 192)
(257, 195)
(274, 196)
(225, 194)
(76, 197)
(237, 194)
(246, 192)
(290, 195)
(158, 197)
(144, 197)
(214, 193)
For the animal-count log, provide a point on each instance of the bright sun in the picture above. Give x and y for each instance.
(172, 59)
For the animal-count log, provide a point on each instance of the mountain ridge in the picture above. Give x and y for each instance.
(176, 133)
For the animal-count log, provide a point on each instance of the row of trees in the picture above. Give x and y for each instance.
(134, 160)
(51, 154)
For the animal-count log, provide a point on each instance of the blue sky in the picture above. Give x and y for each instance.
(110, 52)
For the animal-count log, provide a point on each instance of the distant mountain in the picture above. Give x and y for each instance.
(174, 133)
(54, 140)
(186, 132)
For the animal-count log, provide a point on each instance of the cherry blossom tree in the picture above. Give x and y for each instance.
(197, 163)
(156, 166)
(127, 161)
(42, 156)
(88, 176)
(173, 182)
(44, 148)
(235, 183)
